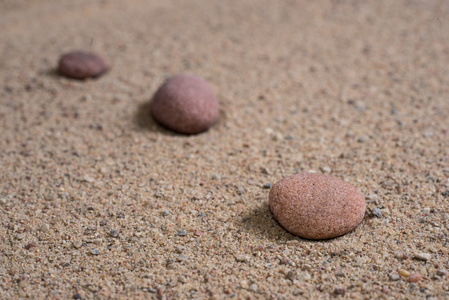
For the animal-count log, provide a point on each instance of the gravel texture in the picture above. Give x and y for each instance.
(354, 89)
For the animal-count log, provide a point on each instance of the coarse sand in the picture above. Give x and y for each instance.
(99, 201)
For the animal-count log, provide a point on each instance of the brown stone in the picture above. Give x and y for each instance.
(81, 65)
(186, 104)
(316, 206)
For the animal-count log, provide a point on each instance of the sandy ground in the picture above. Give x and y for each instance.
(98, 201)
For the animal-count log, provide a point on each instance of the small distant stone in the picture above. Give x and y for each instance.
(30, 246)
(182, 233)
(339, 291)
(253, 287)
(77, 244)
(77, 296)
(377, 212)
(442, 272)
(445, 193)
(325, 169)
(267, 186)
(415, 277)
(185, 104)
(306, 276)
(81, 65)
(259, 248)
(394, 277)
(103, 222)
(181, 258)
(45, 228)
(199, 233)
(362, 139)
(165, 213)
(114, 233)
(423, 256)
(94, 252)
(291, 275)
(316, 206)
(373, 198)
(241, 258)
(339, 274)
(216, 177)
(404, 273)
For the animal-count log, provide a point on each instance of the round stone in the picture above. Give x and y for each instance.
(316, 206)
(186, 104)
(81, 65)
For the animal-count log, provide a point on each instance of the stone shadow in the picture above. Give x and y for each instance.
(261, 223)
(145, 121)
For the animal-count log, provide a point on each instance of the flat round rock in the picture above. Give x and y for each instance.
(316, 206)
(81, 65)
(186, 104)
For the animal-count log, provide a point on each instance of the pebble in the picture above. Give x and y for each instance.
(442, 272)
(253, 287)
(81, 65)
(339, 291)
(241, 258)
(305, 276)
(199, 233)
(373, 198)
(394, 277)
(377, 212)
(30, 246)
(181, 258)
(291, 275)
(404, 273)
(45, 228)
(267, 186)
(325, 169)
(113, 233)
(415, 277)
(165, 213)
(182, 233)
(77, 244)
(316, 206)
(298, 292)
(94, 252)
(259, 248)
(185, 104)
(423, 256)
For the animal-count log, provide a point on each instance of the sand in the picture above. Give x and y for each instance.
(98, 201)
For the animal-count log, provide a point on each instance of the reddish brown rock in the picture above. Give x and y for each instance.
(316, 206)
(186, 104)
(415, 277)
(81, 65)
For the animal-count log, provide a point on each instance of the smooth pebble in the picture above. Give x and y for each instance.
(81, 65)
(316, 206)
(423, 256)
(185, 104)
(415, 277)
